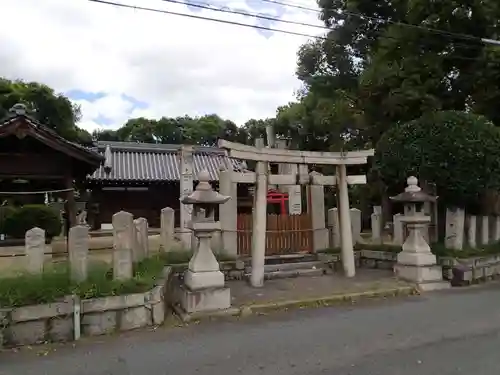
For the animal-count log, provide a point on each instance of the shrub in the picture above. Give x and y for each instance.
(457, 151)
(24, 218)
(5, 211)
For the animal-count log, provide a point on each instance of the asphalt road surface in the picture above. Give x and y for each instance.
(452, 332)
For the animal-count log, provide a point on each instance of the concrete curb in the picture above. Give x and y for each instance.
(256, 309)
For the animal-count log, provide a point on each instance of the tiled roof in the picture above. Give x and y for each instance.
(157, 162)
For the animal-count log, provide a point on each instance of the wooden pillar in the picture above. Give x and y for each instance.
(70, 205)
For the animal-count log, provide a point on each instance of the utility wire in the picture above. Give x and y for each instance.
(208, 19)
(234, 23)
(362, 16)
(208, 6)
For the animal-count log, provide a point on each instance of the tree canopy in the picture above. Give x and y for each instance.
(49, 108)
(203, 131)
(373, 70)
(458, 152)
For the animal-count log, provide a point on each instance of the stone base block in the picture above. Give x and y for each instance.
(426, 277)
(211, 299)
(419, 274)
(416, 259)
(203, 280)
(430, 286)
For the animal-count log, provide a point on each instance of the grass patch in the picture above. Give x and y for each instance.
(54, 283)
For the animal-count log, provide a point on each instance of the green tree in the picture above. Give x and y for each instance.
(459, 152)
(377, 72)
(51, 109)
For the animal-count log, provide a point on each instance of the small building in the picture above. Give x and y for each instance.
(143, 178)
(34, 160)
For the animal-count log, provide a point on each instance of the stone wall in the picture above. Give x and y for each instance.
(54, 322)
(459, 271)
(471, 270)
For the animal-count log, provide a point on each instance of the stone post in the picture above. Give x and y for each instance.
(294, 191)
(35, 250)
(334, 226)
(294, 194)
(455, 222)
(123, 240)
(355, 224)
(416, 263)
(496, 237)
(398, 228)
(142, 228)
(259, 225)
(203, 281)
(316, 195)
(228, 213)
(471, 231)
(78, 252)
(345, 223)
(376, 223)
(167, 228)
(485, 227)
(186, 188)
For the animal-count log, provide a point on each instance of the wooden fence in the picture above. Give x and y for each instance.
(286, 234)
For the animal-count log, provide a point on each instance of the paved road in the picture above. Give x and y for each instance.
(453, 332)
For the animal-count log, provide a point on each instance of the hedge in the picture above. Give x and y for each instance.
(18, 221)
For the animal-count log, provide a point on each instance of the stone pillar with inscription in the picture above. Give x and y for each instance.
(35, 250)
(228, 212)
(78, 252)
(123, 240)
(316, 195)
(142, 245)
(167, 228)
(186, 188)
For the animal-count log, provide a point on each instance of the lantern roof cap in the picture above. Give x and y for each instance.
(204, 194)
(413, 193)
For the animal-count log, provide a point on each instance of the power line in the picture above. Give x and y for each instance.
(208, 6)
(362, 16)
(208, 19)
(234, 23)
(202, 5)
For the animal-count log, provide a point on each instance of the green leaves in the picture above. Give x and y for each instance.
(51, 109)
(458, 151)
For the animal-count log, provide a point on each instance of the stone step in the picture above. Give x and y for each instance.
(289, 266)
(292, 273)
(293, 266)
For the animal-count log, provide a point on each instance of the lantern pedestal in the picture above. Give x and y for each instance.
(203, 289)
(202, 300)
(416, 263)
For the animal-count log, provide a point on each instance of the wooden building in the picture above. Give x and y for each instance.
(143, 178)
(33, 158)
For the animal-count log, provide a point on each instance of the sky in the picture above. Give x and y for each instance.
(119, 63)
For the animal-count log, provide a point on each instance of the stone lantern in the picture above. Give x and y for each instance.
(203, 281)
(416, 262)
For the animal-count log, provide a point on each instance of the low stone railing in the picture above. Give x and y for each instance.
(470, 270)
(64, 320)
(461, 271)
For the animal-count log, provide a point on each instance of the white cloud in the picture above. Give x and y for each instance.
(176, 65)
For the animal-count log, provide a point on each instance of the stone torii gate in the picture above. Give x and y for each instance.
(261, 177)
